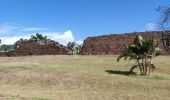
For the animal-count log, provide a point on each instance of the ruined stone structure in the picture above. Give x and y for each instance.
(32, 47)
(115, 43)
(3, 54)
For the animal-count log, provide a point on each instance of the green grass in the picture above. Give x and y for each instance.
(80, 78)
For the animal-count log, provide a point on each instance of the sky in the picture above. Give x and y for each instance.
(75, 20)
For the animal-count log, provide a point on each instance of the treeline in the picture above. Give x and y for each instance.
(5, 48)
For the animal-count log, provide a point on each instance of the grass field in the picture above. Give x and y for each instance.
(80, 78)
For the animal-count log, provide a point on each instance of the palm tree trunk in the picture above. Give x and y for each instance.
(139, 67)
(145, 65)
(150, 65)
(132, 68)
(143, 68)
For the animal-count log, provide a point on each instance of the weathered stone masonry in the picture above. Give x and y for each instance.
(115, 43)
(31, 47)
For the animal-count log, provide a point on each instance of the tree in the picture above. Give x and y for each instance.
(18, 42)
(78, 48)
(6, 47)
(142, 51)
(38, 37)
(74, 47)
(71, 46)
(164, 22)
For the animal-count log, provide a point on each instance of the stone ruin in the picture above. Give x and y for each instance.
(99, 45)
(115, 43)
(32, 47)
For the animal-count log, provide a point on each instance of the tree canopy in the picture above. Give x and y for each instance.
(6, 47)
(38, 37)
(74, 47)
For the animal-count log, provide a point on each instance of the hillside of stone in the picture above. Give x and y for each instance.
(32, 47)
(115, 43)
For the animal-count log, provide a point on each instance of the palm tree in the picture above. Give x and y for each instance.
(151, 50)
(142, 51)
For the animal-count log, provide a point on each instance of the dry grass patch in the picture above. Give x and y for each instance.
(79, 78)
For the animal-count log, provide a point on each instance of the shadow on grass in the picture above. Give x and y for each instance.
(120, 72)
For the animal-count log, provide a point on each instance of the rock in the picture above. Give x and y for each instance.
(115, 43)
(32, 47)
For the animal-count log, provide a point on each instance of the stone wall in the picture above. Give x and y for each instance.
(32, 47)
(115, 43)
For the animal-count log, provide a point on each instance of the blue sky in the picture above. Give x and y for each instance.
(75, 20)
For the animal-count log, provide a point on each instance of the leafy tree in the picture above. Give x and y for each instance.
(78, 48)
(74, 47)
(71, 46)
(38, 37)
(142, 51)
(6, 47)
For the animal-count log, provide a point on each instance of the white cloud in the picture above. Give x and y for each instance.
(34, 29)
(79, 42)
(62, 38)
(10, 33)
(12, 40)
(151, 26)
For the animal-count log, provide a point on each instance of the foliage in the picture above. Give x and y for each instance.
(38, 37)
(78, 48)
(71, 46)
(6, 47)
(142, 51)
(74, 47)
